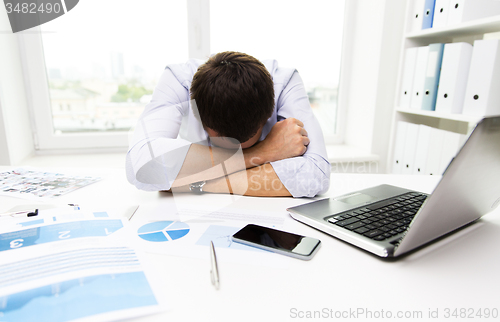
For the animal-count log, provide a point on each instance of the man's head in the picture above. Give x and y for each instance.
(234, 95)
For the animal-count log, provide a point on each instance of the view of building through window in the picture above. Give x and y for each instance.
(102, 75)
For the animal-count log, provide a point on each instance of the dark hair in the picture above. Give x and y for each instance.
(234, 94)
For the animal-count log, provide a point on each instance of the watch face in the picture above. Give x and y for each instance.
(197, 187)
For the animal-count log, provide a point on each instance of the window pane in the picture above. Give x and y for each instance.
(104, 59)
(306, 35)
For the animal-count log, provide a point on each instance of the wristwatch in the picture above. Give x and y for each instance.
(197, 187)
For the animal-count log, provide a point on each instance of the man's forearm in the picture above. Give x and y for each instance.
(260, 181)
(204, 163)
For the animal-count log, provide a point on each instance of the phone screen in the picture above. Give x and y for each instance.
(276, 240)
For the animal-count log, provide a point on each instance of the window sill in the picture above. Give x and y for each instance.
(336, 154)
(346, 154)
(86, 160)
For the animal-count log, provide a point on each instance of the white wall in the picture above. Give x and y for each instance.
(16, 139)
(370, 88)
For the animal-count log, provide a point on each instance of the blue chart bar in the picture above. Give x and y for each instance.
(32, 223)
(79, 298)
(57, 232)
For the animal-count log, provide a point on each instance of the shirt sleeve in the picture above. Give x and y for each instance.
(309, 174)
(155, 153)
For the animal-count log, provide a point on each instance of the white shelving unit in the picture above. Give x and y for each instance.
(465, 32)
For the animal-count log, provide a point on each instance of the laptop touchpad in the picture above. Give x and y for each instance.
(356, 199)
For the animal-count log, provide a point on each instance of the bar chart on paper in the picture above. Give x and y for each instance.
(57, 232)
(74, 284)
(81, 297)
(162, 231)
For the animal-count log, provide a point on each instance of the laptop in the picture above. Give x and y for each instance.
(389, 221)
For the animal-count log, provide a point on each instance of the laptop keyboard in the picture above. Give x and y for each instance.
(382, 220)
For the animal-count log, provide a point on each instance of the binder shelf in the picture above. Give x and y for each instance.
(447, 33)
(454, 22)
(433, 114)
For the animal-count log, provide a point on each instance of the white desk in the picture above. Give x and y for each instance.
(461, 271)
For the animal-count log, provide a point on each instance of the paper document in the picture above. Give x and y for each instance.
(187, 233)
(74, 283)
(33, 184)
(49, 229)
(66, 267)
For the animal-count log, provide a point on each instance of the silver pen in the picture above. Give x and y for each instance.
(214, 271)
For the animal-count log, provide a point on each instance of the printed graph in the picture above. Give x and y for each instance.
(162, 231)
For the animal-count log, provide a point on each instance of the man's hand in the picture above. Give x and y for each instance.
(287, 139)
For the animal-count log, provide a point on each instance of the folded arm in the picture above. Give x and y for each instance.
(260, 181)
(287, 139)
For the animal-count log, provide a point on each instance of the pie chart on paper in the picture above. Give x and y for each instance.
(162, 231)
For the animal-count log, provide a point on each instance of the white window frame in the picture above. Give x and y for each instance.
(37, 88)
(342, 102)
(343, 90)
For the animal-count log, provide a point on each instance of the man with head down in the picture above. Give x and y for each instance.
(231, 124)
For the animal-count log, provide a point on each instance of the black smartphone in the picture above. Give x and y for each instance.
(278, 241)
